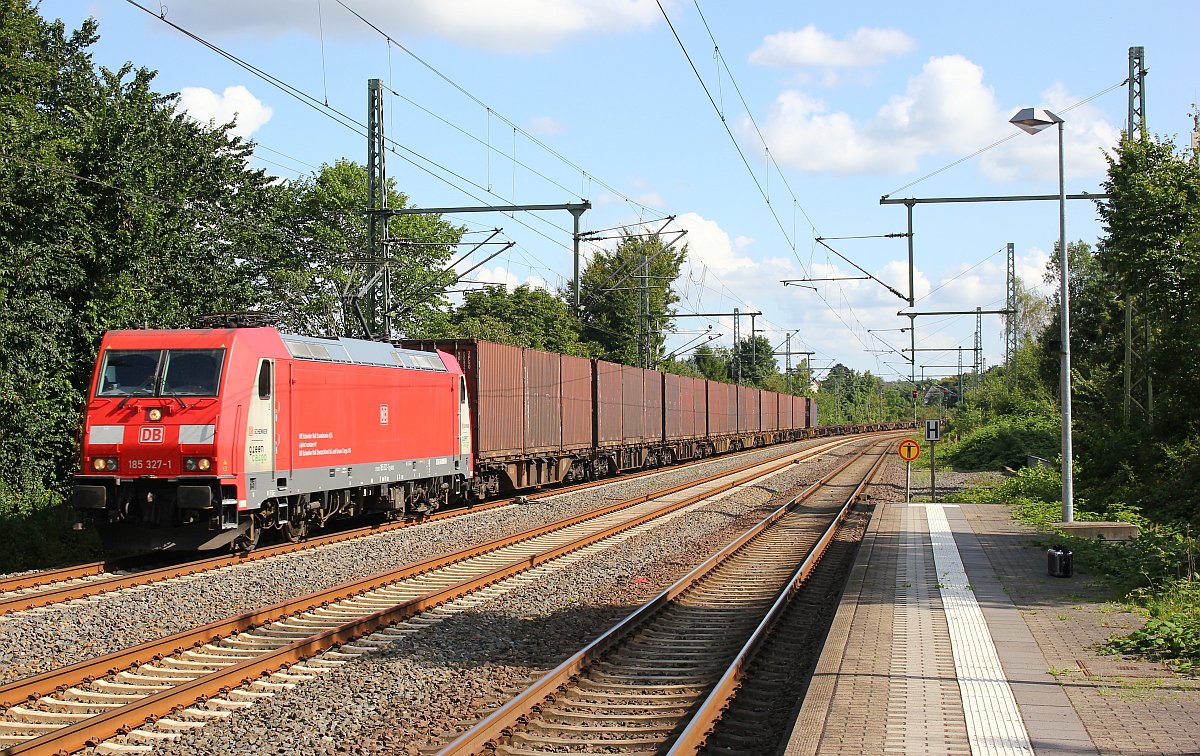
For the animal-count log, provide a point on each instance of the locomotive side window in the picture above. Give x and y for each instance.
(128, 372)
(192, 372)
(264, 380)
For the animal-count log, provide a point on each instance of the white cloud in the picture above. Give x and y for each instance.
(547, 126)
(709, 246)
(1086, 138)
(721, 274)
(947, 110)
(504, 277)
(235, 102)
(521, 26)
(811, 47)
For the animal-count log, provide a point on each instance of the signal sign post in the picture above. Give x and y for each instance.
(909, 450)
(933, 434)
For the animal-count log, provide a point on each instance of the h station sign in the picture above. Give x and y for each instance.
(933, 430)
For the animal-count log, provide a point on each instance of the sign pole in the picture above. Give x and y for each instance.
(933, 471)
(933, 434)
(909, 450)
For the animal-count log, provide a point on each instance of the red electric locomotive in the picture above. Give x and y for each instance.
(201, 439)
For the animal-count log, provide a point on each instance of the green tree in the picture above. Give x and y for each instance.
(116, 210)
(1150, 252)
(626, 297)
(711, 363)
(313, 288)
(526, 317)
(1032, 316)
(753, 361)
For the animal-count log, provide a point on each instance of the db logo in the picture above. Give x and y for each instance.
(383, 414)
(151, 434)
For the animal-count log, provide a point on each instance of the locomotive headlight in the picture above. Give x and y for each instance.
(102, 464)
(98, 464)
(192, 464)
(154, 414)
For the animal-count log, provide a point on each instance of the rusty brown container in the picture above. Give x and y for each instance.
(543, 401)
(683, 407)
(673, 407)
(785, 412)
(699, 392)
(769, 409)
(652, 402)
(799, 412)
(609, 406)
(748, 419)
(577, 417)
(722, 408)
(633, 404)
(495, 378)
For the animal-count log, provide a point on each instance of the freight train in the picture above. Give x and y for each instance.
(203, 439)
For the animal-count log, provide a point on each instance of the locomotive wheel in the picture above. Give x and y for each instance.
(248, 540)
(295, 528)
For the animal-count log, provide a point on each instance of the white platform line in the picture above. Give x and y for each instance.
(994, 724)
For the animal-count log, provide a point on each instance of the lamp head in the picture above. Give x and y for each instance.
(1033, 120)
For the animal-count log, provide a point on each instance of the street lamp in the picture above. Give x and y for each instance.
(1031, 121)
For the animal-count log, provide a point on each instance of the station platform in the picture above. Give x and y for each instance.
(951, 638)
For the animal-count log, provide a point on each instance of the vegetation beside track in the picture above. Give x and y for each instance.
(35, 532)
(1136, 421)
(1155, 574)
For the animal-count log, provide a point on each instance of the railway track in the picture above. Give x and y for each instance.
(659, 681)
(67, 709)
(45, 588)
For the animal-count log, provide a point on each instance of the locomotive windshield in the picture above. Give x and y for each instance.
(161, 372)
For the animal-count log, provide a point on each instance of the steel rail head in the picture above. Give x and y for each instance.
(484, 734)
(89, 731)
(692, 738)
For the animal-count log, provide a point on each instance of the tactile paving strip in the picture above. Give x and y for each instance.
(994, 724)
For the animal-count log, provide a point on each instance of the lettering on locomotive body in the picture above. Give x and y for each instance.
(383, 414)
(152, 434)
(149, 464)
(310, 445)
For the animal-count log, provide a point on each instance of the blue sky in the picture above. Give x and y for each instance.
(830, 106)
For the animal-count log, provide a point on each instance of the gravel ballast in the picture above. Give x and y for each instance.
(38, 640)
(411, 695)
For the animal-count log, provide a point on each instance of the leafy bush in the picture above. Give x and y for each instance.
(1031, 489)
(1006, 443)
(35, 533)
(1172, 632)
(1156, 571)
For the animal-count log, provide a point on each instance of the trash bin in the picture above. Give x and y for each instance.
(1059, 562)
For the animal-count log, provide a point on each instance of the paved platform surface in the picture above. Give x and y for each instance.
(952, 639)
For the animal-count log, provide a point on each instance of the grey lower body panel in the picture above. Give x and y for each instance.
(310, 480)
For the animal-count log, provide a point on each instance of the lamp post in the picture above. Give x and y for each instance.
(1031, 121)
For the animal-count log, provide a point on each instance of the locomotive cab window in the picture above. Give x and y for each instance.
(264, 380)
(128, 372)
(161, 372)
